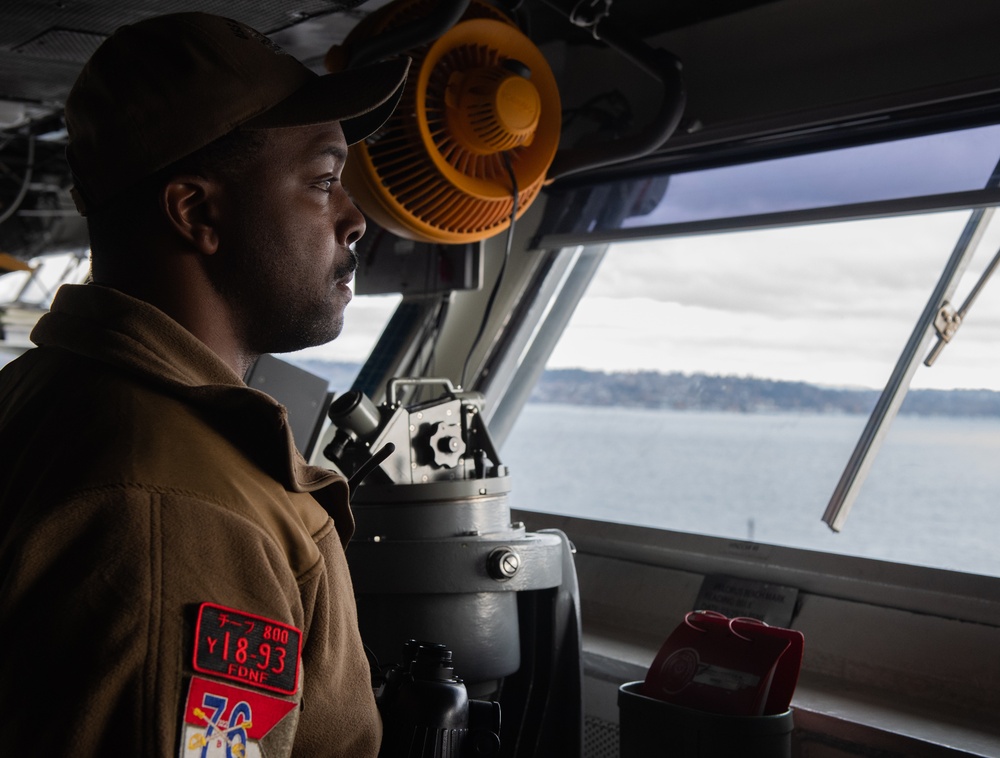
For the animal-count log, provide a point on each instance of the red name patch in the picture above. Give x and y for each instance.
(246, 648)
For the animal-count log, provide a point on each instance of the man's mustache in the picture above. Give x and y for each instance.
(349, 266)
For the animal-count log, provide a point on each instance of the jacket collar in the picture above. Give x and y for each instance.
(134, 337)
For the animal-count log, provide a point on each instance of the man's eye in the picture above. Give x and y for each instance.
(325, 184)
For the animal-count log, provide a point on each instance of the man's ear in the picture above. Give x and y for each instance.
(189, 204)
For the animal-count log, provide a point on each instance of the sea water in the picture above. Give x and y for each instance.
(932, 497)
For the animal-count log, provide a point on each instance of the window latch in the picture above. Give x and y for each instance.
(948, 319)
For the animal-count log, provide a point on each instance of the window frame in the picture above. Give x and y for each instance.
(579, 250)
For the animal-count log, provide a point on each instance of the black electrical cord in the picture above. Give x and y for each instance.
(500, 273)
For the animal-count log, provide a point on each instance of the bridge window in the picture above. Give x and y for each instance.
(717, 381)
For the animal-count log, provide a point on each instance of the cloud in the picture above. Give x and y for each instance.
(831, 266)
(829, 304)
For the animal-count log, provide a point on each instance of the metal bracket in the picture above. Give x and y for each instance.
(946, 323)
(590, 16)
(948, 319)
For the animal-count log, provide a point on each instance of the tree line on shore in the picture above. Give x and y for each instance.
(678, 391)
(733, 394)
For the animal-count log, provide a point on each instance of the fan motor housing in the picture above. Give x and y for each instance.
(491, 110)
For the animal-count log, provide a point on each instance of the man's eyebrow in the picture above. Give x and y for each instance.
(334, 151)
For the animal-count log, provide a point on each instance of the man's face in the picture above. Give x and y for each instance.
(284, 262)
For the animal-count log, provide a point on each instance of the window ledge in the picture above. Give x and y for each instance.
(827, 710)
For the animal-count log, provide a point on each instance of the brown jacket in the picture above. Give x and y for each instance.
(141, 479)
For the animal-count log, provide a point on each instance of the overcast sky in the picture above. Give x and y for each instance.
(918, 166)
(831, 305)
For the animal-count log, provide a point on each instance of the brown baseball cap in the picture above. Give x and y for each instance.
(158, 90)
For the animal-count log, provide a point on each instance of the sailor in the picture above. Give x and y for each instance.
(173, 572)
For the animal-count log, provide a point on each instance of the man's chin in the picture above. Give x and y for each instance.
(319, 334)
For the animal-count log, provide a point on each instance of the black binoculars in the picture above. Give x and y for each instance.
(427, 713)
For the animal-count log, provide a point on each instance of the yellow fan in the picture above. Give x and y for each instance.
(480, 105)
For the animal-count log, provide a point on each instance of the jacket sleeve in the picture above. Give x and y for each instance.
(98, 608)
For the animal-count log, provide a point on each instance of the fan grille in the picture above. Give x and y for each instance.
(419, 180)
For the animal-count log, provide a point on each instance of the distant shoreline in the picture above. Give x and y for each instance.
(728, 394)
(731, 394)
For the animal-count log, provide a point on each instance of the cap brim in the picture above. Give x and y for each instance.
(361, 99)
